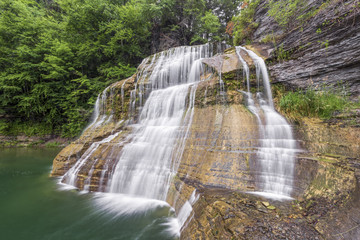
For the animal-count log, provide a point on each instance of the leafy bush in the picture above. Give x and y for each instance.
(56, 56)
(52, 144)
(281, 54)
(27, 128)
(312, 103)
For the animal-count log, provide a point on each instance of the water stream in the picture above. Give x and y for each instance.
(278, 147)
(146, 165)
(163, 97)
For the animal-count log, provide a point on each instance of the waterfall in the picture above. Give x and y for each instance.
(137, 170)
(137, 164)
(160, 115)
(71, 176)
(276, 154)
(147, 163)
(99, 117)
(186, 210)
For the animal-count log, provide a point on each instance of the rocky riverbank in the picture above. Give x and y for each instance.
(33, 141)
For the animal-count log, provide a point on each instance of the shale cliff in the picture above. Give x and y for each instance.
(319, 45)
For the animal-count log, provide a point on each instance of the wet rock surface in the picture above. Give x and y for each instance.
(326, 205)
(221, 214)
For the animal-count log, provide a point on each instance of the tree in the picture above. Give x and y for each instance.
(208, 29)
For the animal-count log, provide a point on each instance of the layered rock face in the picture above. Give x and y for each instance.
(322, 51)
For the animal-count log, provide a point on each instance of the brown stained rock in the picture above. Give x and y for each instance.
(236, 217)
(331, 181)
(214, 156)
(332, 200)
(229, 63)
(66, 159)
(262, 50)
(331, 197)
(179, 193)
(222, 207)
(214, 62)
(220, 148)
(334, 139)
(246, 56)
(70, 154)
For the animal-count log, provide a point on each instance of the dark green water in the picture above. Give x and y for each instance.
(33, 207)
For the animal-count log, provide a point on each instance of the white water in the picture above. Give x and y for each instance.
(186, 211)
(99, 117)
(147, 164)
(122, 92)
(71, 176)
(164, 96)
(277, 149)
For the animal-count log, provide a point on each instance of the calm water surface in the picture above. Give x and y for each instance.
(33, 206)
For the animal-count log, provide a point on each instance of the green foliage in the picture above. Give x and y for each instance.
(244, 24)
(4, 126)
(224, 9)
(268, 38)
(52, 144)
(309, 14)
(285, 11)
(56, 57)
(208, 29)
(312, 103)
(324, 44)
(281, 54)
(26, 128)
(294, 13)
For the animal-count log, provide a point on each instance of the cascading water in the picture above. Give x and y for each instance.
(160, 114)
(71, 176)
(149, 158)
(137, 168)
(99, 117)
(277, 145)
(146, 164)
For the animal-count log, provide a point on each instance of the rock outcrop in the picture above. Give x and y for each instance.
(320, 52)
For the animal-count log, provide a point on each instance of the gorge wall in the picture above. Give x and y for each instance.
(320, 44)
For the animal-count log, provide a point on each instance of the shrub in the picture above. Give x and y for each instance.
(312, 103)
(244, 24)
(52, 144)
